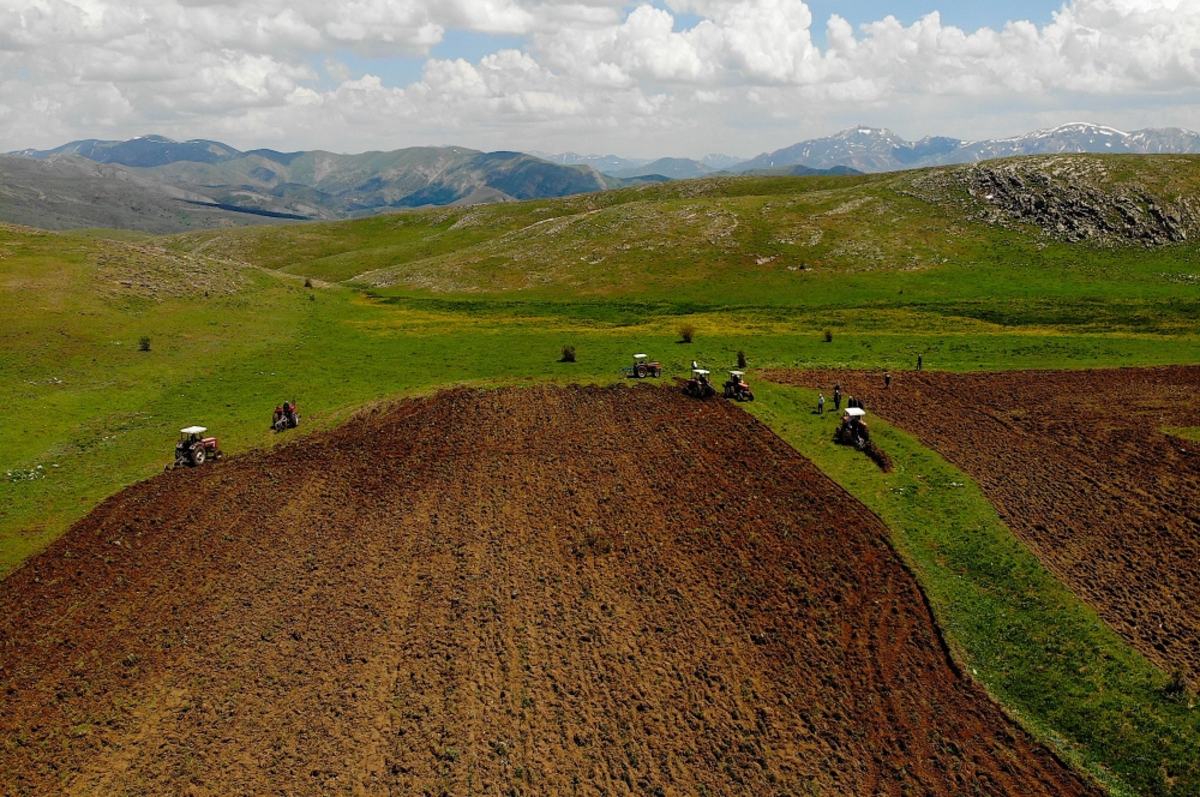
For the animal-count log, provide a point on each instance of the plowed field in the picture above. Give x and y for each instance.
(538, 591)
(1076, 464)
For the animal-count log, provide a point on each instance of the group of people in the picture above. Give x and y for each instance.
(837, 401)
(852, 401)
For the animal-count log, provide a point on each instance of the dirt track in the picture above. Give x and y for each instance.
(494, 593)
(1076, 465)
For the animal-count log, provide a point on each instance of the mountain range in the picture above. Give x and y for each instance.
(315, 184)
(155, 184)
(875, 149)
(868, 149)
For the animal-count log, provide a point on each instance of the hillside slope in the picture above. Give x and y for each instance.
(69, 192)
(763, 236)
(493, 592)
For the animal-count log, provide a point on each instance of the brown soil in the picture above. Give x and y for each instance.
(541, 591)
(1076, 465)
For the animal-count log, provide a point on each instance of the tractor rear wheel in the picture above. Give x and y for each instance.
(640, 372)
(198, 456)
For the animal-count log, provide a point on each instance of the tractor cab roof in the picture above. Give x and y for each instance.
(737, 374)
(639, 356)
(193, 430)
(856, 412)
(699, 372)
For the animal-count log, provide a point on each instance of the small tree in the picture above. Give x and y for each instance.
(741, 359)
(144, 343)
(685, 333)
(828, 336)
(568, 354)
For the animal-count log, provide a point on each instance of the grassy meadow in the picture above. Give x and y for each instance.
(855, 272)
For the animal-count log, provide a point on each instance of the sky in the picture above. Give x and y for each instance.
(680, 78)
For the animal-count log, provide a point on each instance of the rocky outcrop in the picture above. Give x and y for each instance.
(1079, 198)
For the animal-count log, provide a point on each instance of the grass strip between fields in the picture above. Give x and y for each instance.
(1054, 665)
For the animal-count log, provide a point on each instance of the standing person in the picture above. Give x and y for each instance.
(837, 397)
(887, 380)
(918, 362)
(820, 404)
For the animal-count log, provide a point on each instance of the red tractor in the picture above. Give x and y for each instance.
(194, 449)
(699, 386)
(286, 417)
(736, 387)
(642, 367)
(853, 431)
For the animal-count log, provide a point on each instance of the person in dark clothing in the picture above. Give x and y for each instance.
(918, 362)
(887, 380)
(837, 397)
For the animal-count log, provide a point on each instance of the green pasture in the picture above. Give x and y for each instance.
(409, 303)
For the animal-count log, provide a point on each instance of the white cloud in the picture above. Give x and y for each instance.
(749, 70)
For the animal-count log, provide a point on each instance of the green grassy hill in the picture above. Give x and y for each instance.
(888, 265)
(928, 242)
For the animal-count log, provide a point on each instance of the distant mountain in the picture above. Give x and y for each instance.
(880, 150)
(863, 148)
(141, 151)
(325, 185)
(799, 171)
(64, 192)
(635, 167)
(605, 164)
(673, 168)
(719, 162)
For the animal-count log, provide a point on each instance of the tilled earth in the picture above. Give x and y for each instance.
(1078, 467)
(536, 591)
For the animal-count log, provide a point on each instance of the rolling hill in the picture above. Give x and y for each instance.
(65, 192)
(755, 236)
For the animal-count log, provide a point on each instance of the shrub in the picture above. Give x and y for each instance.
(828, 336)
(741, 359)
(568, 354)
(685, 333)
(144, 344)
(307, 283)
(1176, 689)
